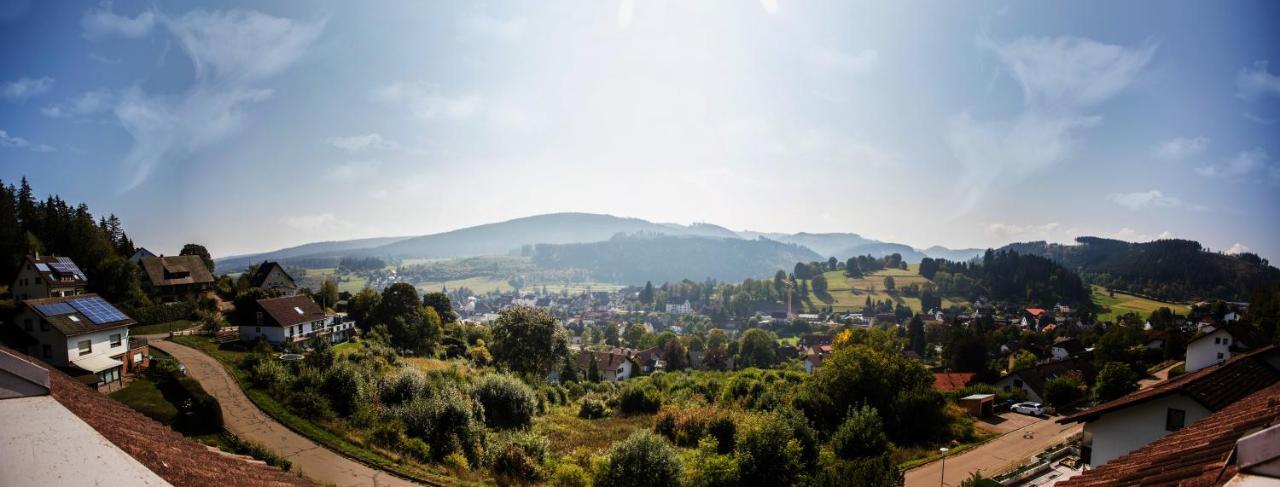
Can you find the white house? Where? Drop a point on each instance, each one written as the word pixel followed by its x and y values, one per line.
pixel 83 332
pixel 679 308
pixel 1217 344
pixel 47 276
pixel 1120 426
pixel 292 319
pixel 613 366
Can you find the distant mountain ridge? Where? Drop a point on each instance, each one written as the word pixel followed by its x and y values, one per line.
pixel 664 258
pixel 509 237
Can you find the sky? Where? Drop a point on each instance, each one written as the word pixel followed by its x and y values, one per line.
pixel 250 126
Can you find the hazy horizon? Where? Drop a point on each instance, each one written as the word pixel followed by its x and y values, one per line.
pixel 249 127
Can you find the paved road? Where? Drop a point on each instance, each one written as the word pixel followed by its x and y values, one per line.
pixel 244 419
pixel 998 455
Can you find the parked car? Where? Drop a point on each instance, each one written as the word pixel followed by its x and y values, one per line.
pixel 1031 408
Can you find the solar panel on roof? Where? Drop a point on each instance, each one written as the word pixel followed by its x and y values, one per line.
pixel 42 267
pixel 55 309
pixel 64 264
pixel 98 310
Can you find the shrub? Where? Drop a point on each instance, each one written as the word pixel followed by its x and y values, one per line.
pixel 517 458
pixel 163 313
pixel 1115 380
pixel 875 471
pixel 777 449
pixel 310 404
pixel 569 475
pixel 592 409
pixel 642 460
pixel 508 402
pixel 918 415
pixel 408 385
pixel 707 468
pixel 1063 390
pixel 861 435
pixel 256 450
pixel 417 449
pixel 447 420
pixel 269 374
pixel 344 386
pixel 387 434
pixel 686 427
pixel 639 399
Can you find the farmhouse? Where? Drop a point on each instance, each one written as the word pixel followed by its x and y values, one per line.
pixel 84 334
pixel 291 319
pixel 170 279
pixel 271 275
pixel 47 276
pixel 1117 427
pixel 1217 344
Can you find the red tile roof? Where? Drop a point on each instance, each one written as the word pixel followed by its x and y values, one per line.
pixel 175 458
pixel 952 381
pixel 1197 455
pixel 1214 387
pixel 1035 311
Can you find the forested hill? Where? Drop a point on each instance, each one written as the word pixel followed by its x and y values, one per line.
pixel 1010 277
pixel 658 258
pixel 1169 270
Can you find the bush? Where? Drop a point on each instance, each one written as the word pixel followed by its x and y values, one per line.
pixel 642 460
pixel 707 468
pixel 508 402
pixel 875 471
pixel 861 435
pixel 1063 390
pixel 310 404
pixel 405 387
pixel 344 386
pixel 686 427
pixel 1115 380
pixel 269 374
pixel 257 451
pixel 447 420
pixel 918 415
pixel 777 449
pixel 569 475
pixel 639 399
pixel 517 458
pixel 592 409
pixel 163 313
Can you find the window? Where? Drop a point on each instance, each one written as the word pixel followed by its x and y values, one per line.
pixel 85 347
pixel 259 316
pixel 115 340
pixel 1219 355
pixel 1226 341
pixel 46 350
pixel 1217 341
pixel 1175 419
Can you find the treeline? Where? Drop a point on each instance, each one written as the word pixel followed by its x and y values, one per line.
pixel 638 258
pixel 357 264
pixel 100 247
pixel 1170 270
pixel 1009 277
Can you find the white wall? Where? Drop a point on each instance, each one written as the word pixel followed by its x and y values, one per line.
pixel 1119 432
pixel 1204 352
pixel 251 333
pixel 100 344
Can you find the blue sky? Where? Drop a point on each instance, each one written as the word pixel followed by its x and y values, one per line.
pixel 249 126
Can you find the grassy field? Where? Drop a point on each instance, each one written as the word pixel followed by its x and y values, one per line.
pixel 1121 303
pixel 160 328
pixel 568 433
pixel 850 294
pixel 143 396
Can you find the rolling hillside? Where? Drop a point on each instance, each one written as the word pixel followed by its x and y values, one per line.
pixel 634 259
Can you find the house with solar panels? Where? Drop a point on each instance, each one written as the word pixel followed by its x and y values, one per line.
pixel 47 276
pixel 175 278
pixel 83 335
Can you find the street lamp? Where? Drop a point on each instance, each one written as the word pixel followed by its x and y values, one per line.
pixel 943 477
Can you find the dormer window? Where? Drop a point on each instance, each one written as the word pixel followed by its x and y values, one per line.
pixel 73 318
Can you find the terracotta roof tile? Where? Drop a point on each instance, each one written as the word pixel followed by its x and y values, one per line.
pixel 1197 455
pixel 952 381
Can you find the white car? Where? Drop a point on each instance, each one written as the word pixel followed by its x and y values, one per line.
pixel 1031 408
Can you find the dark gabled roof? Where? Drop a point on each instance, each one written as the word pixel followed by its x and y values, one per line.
pixel 260 274
pixel 1242 334
pixel 175 270
pixel 604 360
pixel 290 310
pixel 175 458
pixel 58 271
pixel 73 323
pixel 1071 345
pixel 1214 387
pixel 1036 375
pixel 1197 455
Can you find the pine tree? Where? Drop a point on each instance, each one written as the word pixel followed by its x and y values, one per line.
pixel 593 370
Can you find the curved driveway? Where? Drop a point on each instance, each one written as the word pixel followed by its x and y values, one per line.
pixel 243 418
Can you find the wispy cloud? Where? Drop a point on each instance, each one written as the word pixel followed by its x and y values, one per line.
pixel 845 62
pixel 103 59
pixel 1181 148
pixel 361 143
pixel 15 142
pixel 479 24
pixel 1256 81
pixel 102 23
pixel 24 88
pixel 1237 248
pixel 87 104
pixel 1250 164
pixel 427 102
pixel 1151 199
pixel 1130 235
pixel 1007 231
pixel 1258 119
pixel 770 6
pixel 1060 78
pixel 353 170
pixel 233 52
